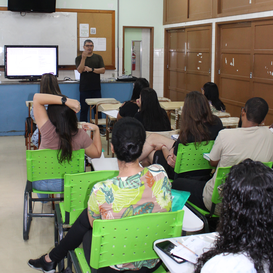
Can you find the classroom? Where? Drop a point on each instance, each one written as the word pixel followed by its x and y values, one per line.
pixel 185 44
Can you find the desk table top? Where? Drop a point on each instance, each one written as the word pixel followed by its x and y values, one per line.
pixel 94 101
pixel 171 105
pixel 230 121
pixel 29 103
pixel 185 267
pixel 109 106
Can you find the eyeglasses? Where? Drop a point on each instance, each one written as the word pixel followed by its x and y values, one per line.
pixel 89 45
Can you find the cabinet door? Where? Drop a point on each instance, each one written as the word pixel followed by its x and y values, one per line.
pixel 176 63
pixel 245 65
pixel 235 66
pixel 263 64
pixel 175 11
pixel 198 57
pixel 200 9
pixel 188 61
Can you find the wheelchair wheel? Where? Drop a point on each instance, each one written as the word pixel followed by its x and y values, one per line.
pixel 26 217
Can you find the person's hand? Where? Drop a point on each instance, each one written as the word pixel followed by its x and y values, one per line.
pixel 271 126
pixel 89 127
pixel 138 102
pixel 87 69
pixel 160 147
pixel 84 54
pixel 74 105
pixel 171 158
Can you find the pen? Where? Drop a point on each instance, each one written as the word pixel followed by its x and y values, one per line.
pixel 187 248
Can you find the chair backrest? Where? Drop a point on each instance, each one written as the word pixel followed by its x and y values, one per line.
pixel 131 239
pixel 190 157
pixel 220 179
pixel 77 188
pixel 43 164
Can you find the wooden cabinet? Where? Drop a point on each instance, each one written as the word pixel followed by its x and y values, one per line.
pixel 245 64
pixel 188 60
pixel 178 11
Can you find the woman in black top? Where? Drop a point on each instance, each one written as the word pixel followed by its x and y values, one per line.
pixel 130 108
pixel 151 115
pixel 211 92
pixel 197 125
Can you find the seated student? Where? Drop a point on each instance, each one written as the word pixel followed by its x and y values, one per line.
pixel 127 142
pixel 130 108
pixel 151 115
pixel 59 131
pixel 245 229
pixel 231 147
pixel 48 85
pixel 197 124
pixel 210 90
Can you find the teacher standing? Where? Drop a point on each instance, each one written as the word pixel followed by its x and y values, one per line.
pixel 90 66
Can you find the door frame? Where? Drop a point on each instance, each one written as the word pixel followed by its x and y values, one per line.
pixel 151 66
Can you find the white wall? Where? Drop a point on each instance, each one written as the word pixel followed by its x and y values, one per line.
pixel 132 13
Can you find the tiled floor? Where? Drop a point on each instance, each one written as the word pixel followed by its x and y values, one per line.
pixel 14 251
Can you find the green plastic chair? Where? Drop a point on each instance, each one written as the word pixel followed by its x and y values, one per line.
pixel 77 188
pixel 190 157
pixel 128 240
pixel 43 164
pixel 221 175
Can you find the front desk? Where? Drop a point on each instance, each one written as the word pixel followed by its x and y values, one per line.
pixel 13 96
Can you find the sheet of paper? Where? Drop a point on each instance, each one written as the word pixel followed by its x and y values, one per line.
pixel 206 156
pixel 99 44
pixel 84 30
pixel 197 245
pixel 111 113
pixel 175 136
pixel 93 30
pixel 77 75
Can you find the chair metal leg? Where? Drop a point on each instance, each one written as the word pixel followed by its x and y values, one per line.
pixel 75 261
pixel 58 230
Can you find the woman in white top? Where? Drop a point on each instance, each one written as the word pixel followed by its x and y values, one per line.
pixel 245 242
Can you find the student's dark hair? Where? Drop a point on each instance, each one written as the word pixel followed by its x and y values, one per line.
pixel 49 84
pixel 196 116
pixel 154 117
pixel 246 220
pixel 128 138
pixel 88 41
pixel 140 83
pixel 212 94
pixel 66 123
pixel 256 109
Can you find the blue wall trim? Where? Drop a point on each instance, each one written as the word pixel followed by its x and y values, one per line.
pixel 13 110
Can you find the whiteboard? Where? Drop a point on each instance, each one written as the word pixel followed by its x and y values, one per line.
pixel 58 28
